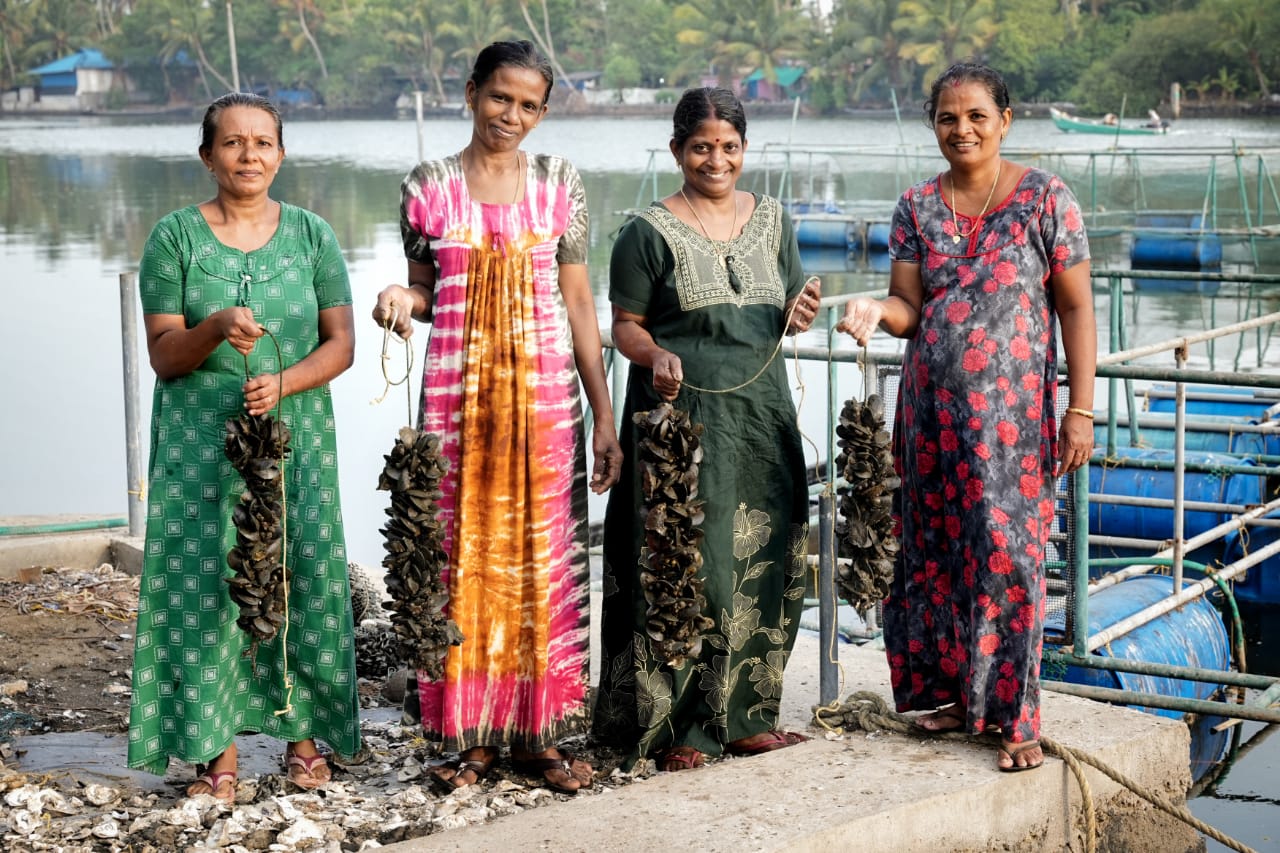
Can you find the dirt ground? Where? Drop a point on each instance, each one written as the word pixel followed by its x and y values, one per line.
pixel 66 651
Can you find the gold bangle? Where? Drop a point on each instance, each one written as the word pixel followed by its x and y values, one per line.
pixel 1084 413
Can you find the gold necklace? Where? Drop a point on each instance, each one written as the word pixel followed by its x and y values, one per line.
pixel 955 238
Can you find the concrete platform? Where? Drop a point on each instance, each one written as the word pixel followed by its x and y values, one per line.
pixel 873 791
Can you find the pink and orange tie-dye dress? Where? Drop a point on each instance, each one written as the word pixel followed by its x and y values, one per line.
pixel 501 389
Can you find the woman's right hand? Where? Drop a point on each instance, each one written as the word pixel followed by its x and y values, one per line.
pixel 238 328
pixel 862 317
pixel 668 374
pixel 395 305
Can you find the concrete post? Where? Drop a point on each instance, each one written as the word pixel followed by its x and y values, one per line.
pixel 132 429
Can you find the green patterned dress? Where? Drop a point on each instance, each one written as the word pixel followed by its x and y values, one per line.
pixel 196 684
pixel 752 479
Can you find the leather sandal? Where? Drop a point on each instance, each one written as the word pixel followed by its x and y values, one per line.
pixel 679 758
pixel 478 768
pixel 1012 751
pixel 215 780
pixel 764 742
pixel 566 764
pixel 951 718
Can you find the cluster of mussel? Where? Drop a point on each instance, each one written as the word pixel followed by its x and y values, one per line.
pixel 256 446
pixel 669 452
pixel 864 529
pixel 415 554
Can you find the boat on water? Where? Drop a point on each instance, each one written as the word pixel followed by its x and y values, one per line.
pixel 1107 125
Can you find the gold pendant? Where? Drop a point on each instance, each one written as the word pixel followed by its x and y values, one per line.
pixel 955 238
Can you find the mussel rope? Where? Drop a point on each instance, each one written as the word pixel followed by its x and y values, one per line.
pixel 284 532
pixel 388 324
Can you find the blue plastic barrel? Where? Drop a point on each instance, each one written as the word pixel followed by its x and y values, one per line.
pixel 1176 252
pixel 820 259
pixel 1208 400
pixel 1261 583
pixel 1157 433
pixel 1192 635
pixel 1149 522
pixel 833 232
pixel 877 236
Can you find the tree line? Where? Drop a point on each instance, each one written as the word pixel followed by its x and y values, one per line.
pixel 363 54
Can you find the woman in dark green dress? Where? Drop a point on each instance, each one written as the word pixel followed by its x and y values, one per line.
pixel 704 284
pixel 214 278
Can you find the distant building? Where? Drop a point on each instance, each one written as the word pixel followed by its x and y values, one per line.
pixel 76 83
pixel 789 84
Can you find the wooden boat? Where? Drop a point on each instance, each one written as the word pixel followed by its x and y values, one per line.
pixel 1071 124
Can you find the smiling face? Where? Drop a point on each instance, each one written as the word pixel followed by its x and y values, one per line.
pixel 506 107
pixel 711 158
pixel 245 153
pixel 967 123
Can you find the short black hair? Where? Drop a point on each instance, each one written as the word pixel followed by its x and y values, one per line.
pixel 967 72
pixel 209 126
pixel 511 54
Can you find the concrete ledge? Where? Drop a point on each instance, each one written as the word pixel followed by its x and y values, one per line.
pixel 876 791
pixel 71 549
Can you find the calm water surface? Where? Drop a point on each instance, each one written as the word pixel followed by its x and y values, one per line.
pixel 79 195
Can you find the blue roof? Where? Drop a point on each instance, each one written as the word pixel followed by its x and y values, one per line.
pixel 85 57
pixel 787 74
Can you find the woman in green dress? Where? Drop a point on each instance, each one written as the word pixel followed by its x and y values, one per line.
pixel 704 283
pixel 214 279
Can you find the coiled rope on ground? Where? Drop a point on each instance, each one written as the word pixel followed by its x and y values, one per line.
pixel 867 711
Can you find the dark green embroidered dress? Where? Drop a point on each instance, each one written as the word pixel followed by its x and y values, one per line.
pixel 194 685
pixel 752 479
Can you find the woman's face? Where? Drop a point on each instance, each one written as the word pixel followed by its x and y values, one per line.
pixel 246 152
pixel 968 124
pixel 506 107
pixel 711 158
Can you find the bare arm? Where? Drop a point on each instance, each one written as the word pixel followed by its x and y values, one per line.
pixel 176 350
pixel 1073 301
pixel 334 354
pixel 575 288
pixel 898 313
pixel 406 304
pixel 636 343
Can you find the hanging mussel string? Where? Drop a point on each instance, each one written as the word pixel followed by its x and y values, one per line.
pixel 415 554
pixel 256 446
pixel 669 452
pixel 865 527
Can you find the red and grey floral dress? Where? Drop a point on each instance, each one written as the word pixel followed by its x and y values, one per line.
pixel 975 439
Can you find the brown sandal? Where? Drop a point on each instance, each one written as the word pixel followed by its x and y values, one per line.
pixel 679 758
pixel 566 764
pixel 480 769
pixel 765 742
pixel 1012 751
pixel 951 718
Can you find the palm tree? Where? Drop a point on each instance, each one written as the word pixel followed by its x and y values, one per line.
pixel 305 35
pixel 15 27
pixel 1249 31
pixel 58 27
pixel 936 33
pixel 726 34
pixel 867 27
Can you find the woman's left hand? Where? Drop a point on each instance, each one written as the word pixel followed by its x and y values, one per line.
pixel 1075 442
pixel 262 393
pixel 806 305
pixel 608 459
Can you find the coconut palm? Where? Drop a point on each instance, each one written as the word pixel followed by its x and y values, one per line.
pixel 937 33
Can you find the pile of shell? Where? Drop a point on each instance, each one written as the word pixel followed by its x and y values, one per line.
pixel 864 529
pixel 415 556
pixel 377 650
pixel 366 600
pixel 256 446
pixel 669 453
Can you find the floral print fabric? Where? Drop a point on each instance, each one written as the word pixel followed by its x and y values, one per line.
pixel 975 442
pixel 751 479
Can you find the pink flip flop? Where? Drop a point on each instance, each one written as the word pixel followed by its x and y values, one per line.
pixel 214 780
pixel 302 770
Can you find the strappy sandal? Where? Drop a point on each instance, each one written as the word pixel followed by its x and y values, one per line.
pixel 448 784
pixel 308 772
pixel 566 764
pixel 679 758
pixel 1012 751
pixel 215 780
pixel 952 718
pixel 765 742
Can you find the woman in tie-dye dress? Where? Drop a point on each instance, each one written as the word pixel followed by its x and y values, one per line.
pixel 496 241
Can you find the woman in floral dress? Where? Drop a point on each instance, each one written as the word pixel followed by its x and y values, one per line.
pixel 703 283
pixel 496 241
pixel 989 258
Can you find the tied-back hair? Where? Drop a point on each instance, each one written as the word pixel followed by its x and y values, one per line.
pixel 511 54
pixel 699 105
pixel 967 72
pixel 209 127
